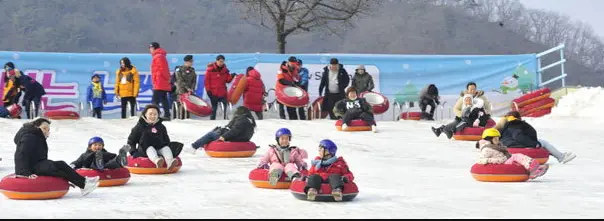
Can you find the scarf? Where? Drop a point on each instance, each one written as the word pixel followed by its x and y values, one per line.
pixel 319 163
pixel 97 90
pixel 284 153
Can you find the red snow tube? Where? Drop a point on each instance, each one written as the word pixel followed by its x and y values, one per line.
pixel 227 149
pixel 349 192
pixel 541 155
pixel 317 111
pixel 62 115
pixel 292 96
pixel 379 103
pixel 546 103
pixel 529 98
pixel 40 188
pixel 355 125
pixel 411 115
pixel 196 105
pixel 142 165
pixel 499 173
pixel 473 133
pixel 108 177
pixel 540 113
pixel 14 110
pixel 259 178
pixel 236 90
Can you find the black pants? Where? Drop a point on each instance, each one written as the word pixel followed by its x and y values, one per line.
pixel 328 103
pixel 59 169
pixel 314 181
pixel 259 115
pixel 291 111
pixel 125 101
pixel 456 125
pixel 425 103
pixel 27 106
pixel 97 112
pixel 162 96
pixel 367 117
pixel 109 161
pixel 214 101
pixel 301 113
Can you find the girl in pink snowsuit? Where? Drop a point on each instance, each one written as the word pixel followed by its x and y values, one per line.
pixel 493 152
pixel 283 158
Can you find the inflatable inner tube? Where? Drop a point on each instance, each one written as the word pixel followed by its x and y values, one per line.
pixel 259 178
pixel 473 133
pixel 355 125
pixel 499 173
pixel 349 192
pixel 14 110
pixel 379 103
pixel 107 177
pixel 237 88
pixel 541 155
pixel 196 105
pixel 292 96
pixel 40 188
pixel 540 113
pixel 529 98
pixel 142 165
pixel 546 103
pixel 317 109
pixel 230 149
pixel 62 115
pixel 411 115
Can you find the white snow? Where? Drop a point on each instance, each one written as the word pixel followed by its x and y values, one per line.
pixel 403 171
pixel 587 102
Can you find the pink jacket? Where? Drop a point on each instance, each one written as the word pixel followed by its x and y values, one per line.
pixel 296 156
pixel 491 153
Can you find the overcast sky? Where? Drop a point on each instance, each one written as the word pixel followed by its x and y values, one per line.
pixel 590 11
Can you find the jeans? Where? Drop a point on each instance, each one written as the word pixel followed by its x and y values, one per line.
pixel 161 96
pixel 205 139
pixel 27 105
pixel 551 149
pixel 125 101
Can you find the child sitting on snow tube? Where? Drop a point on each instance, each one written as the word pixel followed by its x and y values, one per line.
pixel 518 133
pixel 239 129
pixel 473 115
pixel 150 139
pixel 96 157
pixel 356 108
pixel 493 152
pixel 283 158
pixel 327 168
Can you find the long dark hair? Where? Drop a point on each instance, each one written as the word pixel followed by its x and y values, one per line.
pixel 127 63
pixel 433 90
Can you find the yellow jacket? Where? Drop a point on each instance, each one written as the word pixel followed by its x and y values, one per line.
pixel 478 94
pixel 127 83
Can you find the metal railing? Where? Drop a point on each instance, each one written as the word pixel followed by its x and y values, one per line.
pixel 560 62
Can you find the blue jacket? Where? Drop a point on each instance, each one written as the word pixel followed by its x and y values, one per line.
pixel 32 87
pixel 96 101
pixel 304 77
pixel 4 113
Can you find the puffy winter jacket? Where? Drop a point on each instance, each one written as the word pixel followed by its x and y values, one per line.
pixel 253 95
pixel 216 79
pixel 338 167
pixel 287 76
pixel 363 82
pixel 160 71
pixel 518 133
pixel 127 82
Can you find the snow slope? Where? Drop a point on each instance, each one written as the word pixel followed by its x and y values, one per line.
pixel 402 172
pixel 587 102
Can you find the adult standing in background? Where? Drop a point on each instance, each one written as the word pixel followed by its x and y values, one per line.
pixel 288 76
pixel 362 81
pixel 186 82
pixel 216 78
pixel 160 76
pixel 33 93
pixel 304 78
pixel 334 80
pixel 127 86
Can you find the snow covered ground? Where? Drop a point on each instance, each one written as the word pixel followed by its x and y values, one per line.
pixel 403 171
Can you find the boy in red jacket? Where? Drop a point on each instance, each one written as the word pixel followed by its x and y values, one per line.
pixel 216 78
pixel 329 168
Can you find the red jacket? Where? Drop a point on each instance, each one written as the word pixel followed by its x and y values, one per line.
pixel 160 71
pixel 339 167
pixel 286 75
pixel 253 95
pixel 216 79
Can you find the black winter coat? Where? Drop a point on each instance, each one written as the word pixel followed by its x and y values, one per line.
pixel 240 128
pixel 518 133
pixel 31 149
pixel 144 135
pixel 356 106
pixel 87 158
pixel 343 80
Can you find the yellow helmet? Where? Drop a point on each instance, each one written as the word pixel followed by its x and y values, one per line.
pixel 490 132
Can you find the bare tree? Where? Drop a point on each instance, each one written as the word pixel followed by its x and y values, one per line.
pixel 290 17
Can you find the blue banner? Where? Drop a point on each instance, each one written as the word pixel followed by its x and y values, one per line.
pixel 66 76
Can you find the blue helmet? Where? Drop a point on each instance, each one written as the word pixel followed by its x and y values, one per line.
pixel 329 145
pixel 96 140
pixel 281 132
